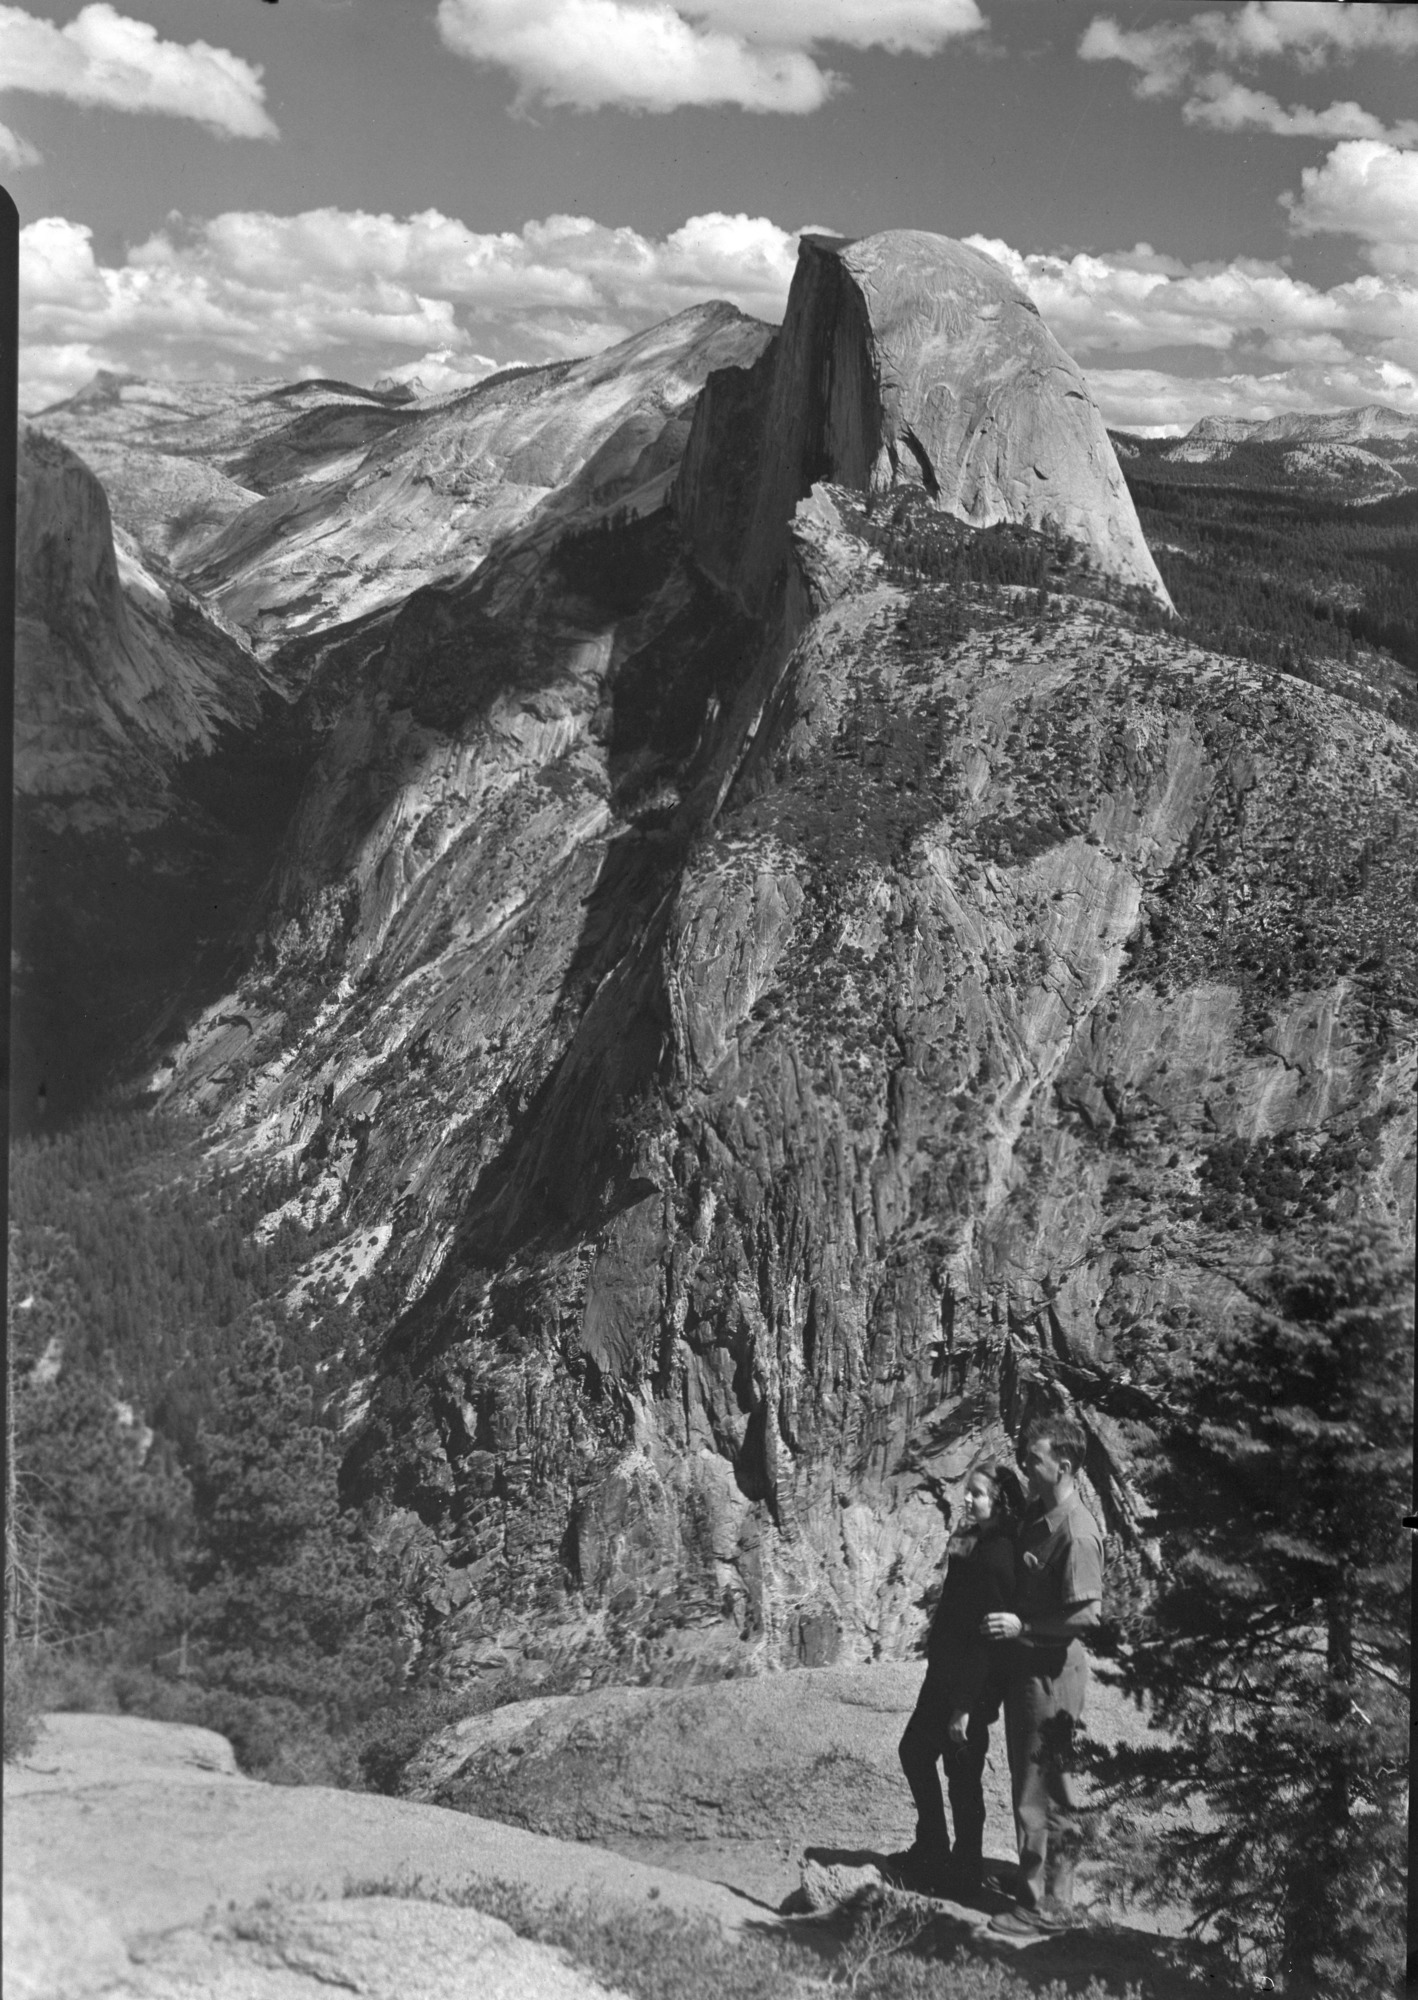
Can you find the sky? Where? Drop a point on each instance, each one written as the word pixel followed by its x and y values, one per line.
pixel 1214 208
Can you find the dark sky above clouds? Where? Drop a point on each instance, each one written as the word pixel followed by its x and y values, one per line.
pixel 1216 208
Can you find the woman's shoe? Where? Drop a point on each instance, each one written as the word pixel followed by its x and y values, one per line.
pixel 966 1878
pixel 923 1871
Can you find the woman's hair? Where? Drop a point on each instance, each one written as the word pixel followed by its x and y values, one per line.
pixel 1008 1488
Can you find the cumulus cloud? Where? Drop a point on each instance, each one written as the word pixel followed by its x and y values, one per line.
pixel 1248 338
pixel 353 294
pixel 650 55
pixel 343 292
pixel 1309 33
pixel 1178 58
pixel 104 58
pixel 16 153
pixel 1364 189
pixel 1228 106
pixel 1132 302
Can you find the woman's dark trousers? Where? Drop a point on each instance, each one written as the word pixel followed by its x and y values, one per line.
pixel 924 1746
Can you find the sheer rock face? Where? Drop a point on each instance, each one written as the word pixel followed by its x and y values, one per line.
pixel 129 694
pixel 120 674
pixel 905 358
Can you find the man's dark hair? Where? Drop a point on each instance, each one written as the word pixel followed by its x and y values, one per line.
pixel 1065 1436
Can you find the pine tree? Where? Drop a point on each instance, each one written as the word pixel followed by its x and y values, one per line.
pixel 95 1514
pixel 294 1601
pixel 1276 1652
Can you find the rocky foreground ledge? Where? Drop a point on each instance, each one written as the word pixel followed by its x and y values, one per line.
pixel 141 1865
pixel 139 1862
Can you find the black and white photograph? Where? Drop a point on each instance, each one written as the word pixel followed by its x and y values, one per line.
pixel 714 998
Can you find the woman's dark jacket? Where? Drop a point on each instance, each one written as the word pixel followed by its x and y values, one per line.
pixel 979 1579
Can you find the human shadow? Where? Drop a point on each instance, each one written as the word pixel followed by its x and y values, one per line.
pixel 1101 1957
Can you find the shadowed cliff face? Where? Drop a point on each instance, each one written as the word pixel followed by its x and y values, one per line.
pixel 121 674
pixel 152 773
pixel 763 1030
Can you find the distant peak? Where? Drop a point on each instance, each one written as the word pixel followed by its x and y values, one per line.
pixel 716 312
pixel 905 359
pixel 102 388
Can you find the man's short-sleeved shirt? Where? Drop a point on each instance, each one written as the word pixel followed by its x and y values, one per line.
pixel 1060 1561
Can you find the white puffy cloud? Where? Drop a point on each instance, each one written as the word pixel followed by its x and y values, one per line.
pixel 590 53
pixel 104 58
pixel 1225 105
pixel 16 153
pixel 1176 57
pixel 347 293
pixel 1309 33
pixel 1134 302
pixel 1364 189
pixel 651 55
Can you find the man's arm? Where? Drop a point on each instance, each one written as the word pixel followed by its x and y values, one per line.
pixel 1080 1588
pixel 1071 1623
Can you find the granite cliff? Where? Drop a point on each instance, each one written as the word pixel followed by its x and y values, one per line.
pixel 136 707
pixel 761 1009
pixel 904 359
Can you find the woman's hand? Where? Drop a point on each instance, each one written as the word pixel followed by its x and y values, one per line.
pixel 958 1724
pixel 1001 1625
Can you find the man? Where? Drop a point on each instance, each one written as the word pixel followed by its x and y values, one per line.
pixel 1060 1596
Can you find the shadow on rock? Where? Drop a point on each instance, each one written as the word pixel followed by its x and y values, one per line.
pixel 850 1907
pixel 832 1876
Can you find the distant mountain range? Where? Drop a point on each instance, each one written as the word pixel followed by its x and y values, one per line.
pixel 293 507
pixel 1359 455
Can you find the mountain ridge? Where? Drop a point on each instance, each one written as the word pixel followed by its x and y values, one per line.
pixel 347 506
pixel 1360 454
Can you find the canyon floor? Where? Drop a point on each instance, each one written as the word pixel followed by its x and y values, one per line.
pixel 139 1861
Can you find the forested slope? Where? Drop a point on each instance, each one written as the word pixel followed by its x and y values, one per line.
pixel 1306 583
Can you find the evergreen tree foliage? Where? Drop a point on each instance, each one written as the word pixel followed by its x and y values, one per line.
pixel 98 1506
pixel 1276 1651
pixel 1295 581
pixel 294 1600
pixel 168 1258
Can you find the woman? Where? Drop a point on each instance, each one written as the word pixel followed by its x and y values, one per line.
pixel 961 1694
